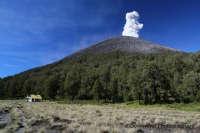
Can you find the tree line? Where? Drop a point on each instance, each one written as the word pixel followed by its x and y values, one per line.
pixel 112 77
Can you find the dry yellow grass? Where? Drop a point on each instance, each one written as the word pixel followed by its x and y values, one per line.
pixel 54 117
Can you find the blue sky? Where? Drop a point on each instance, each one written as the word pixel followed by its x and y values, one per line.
pixel 38 32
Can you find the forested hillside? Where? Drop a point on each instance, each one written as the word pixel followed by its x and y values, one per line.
pixel 112 77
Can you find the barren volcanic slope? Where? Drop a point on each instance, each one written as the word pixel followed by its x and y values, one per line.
pixel 126 44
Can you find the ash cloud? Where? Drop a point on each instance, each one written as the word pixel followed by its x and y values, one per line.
pixel 132 25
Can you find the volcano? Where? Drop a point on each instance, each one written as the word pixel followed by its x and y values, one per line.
pixel 126 44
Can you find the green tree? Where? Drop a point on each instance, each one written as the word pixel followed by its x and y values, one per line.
pixel 134 82
pixel 72 84
pixel 52 87
pixel 190 88
pixel 97 90
pixel 156 86
pixel 1 89
pixel 105 81
pixel 114 91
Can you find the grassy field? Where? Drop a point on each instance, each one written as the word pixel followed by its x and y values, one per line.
pixel 174 106
pixel 83 117
pixel 135 105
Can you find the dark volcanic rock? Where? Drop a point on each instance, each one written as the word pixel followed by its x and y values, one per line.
pixel 126 44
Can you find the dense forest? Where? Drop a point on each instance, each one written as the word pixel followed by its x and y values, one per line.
pixel 112 77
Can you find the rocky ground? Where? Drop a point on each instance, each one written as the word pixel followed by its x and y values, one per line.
pixel 51 117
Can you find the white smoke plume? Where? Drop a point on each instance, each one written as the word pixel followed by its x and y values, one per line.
pixel 132 26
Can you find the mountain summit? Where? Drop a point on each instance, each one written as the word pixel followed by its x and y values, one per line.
pixel 126 44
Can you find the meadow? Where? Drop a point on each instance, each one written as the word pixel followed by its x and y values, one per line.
pixel 89 117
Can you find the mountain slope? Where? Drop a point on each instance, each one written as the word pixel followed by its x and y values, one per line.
pixel 104 71
pixel 123 44
pixel 126 44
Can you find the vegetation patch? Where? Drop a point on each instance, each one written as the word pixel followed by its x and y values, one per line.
pixel 119 118
pixel 114 77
